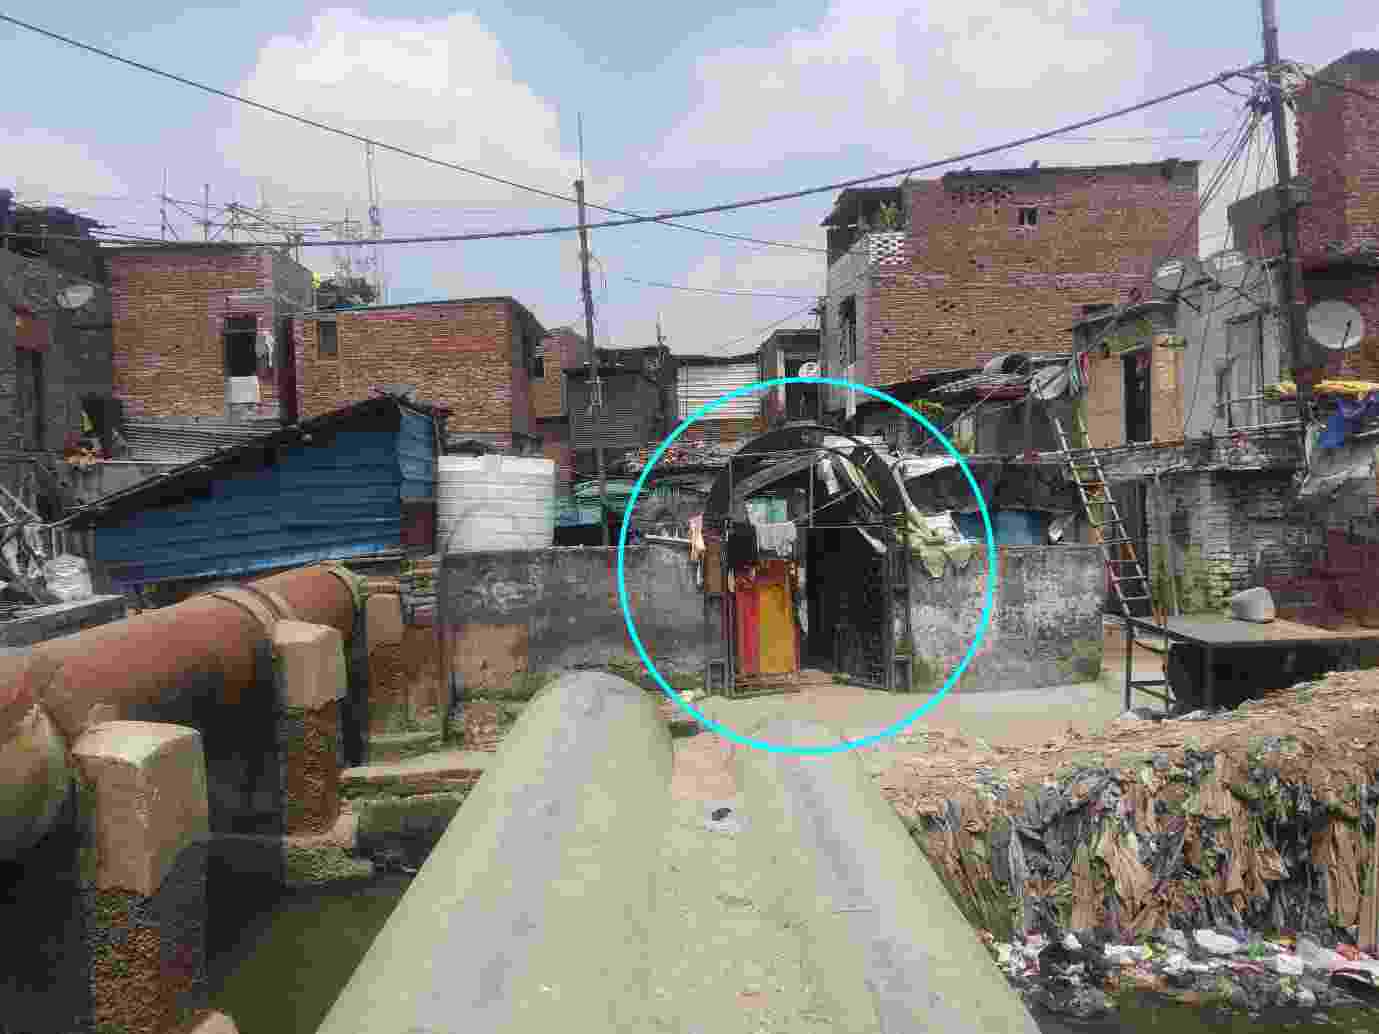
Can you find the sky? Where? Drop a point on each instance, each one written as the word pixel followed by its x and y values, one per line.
pixel 681 106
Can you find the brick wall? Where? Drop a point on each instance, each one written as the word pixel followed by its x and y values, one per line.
pixel 563 348
pixel 1338 149
pixel 170 310
pixel 458 354
pixel 975 283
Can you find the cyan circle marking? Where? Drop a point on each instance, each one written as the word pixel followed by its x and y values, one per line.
pixel 890 730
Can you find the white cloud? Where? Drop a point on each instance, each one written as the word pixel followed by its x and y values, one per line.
pixel 442 87
pixel 906 83
pixel 36 159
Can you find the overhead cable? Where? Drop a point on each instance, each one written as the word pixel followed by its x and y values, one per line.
pixel 407 152
pixel 660 217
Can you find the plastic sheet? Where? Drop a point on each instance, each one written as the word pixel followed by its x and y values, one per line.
pixel 67 578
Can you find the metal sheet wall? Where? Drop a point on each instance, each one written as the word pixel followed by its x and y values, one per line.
pixel 318 503
pixel 631 412
pixel 696 386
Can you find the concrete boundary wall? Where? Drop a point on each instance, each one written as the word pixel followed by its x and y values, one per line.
pixel 887 947
pixel 531 912
pixel 1046 622
pixel 557 609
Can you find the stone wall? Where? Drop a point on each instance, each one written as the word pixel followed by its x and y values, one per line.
pixel 539 611
pixel 1046 621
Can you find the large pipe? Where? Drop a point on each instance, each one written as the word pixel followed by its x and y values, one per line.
pixel 886 947
pixel 59 687
pixel 531 911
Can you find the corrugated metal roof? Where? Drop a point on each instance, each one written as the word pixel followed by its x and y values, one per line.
pixel 247 457
pixel 697 386
pixel 335 500
pixel 152 439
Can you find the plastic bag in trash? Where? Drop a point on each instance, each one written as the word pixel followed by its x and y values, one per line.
pixel 67 578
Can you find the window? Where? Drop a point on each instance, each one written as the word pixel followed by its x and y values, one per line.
pixel 536 358
pixel 1029 216
pixel 241 346
pixel 847 320
pixel 327 339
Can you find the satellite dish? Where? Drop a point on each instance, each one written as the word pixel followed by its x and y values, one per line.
pixel 809 369
pixel 1335 325
pixel 1229 268
pixel 1177 274
pixel 76 296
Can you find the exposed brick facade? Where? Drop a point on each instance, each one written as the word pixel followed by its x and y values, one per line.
pixel 562 348
pixel 170 312
pixel 1338 149
pixel 469 355
pixel 973 282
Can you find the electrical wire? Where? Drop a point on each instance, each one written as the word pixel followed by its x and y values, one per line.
pixel 660 217
pixel 406 152
pixel 715 290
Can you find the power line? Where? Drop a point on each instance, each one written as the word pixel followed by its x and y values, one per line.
pixel 630 219
pixel 716 290
pixel 367 141
pixel 776 198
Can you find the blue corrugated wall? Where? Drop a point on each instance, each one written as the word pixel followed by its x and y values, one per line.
pixel 319 503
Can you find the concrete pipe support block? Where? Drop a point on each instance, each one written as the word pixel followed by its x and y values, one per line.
pixel 383 618
pixel 145 896
pixel 312 680
pixel 147 783
pixel 34 776
pixel 530 913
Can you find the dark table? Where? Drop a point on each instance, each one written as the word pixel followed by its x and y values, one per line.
pixel 1213 633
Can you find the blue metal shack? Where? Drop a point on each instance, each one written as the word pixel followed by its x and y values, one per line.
pixel 345 484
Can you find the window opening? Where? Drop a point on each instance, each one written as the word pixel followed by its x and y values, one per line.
pixel 241 346
pixel 847 317
pixel 1029 216
pixel 327 337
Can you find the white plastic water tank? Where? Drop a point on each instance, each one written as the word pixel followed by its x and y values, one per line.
pixel 494 502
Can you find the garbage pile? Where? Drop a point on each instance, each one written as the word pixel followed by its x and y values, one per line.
pixel 1254 821
pixel 1077 977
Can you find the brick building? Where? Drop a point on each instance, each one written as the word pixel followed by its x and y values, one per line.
pixel 947 273
pixel 54 345
pixel 562 349
pixel 205 332
pixel 1338 228
pixel 479 357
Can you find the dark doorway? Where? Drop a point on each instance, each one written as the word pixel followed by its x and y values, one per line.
pixel 30 398
pixel 287 375
pixel 1137 381
pixel 845 593
pixel 241 346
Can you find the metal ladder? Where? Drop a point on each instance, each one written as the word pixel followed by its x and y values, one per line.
pixel 1111 532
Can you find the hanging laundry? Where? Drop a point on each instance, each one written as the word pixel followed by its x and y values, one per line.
pixel 696 536
pixel 777 538
pixel 742 546
pixel 827 476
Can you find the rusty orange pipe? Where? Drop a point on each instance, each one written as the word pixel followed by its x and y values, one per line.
pixel 109 672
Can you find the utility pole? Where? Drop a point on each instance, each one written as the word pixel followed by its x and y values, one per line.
pixel 595 383
pixel 1305 370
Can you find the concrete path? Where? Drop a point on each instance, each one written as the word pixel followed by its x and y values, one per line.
pixel 722 963
pixel 740 943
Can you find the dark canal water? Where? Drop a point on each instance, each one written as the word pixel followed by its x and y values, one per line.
pixel 279 961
